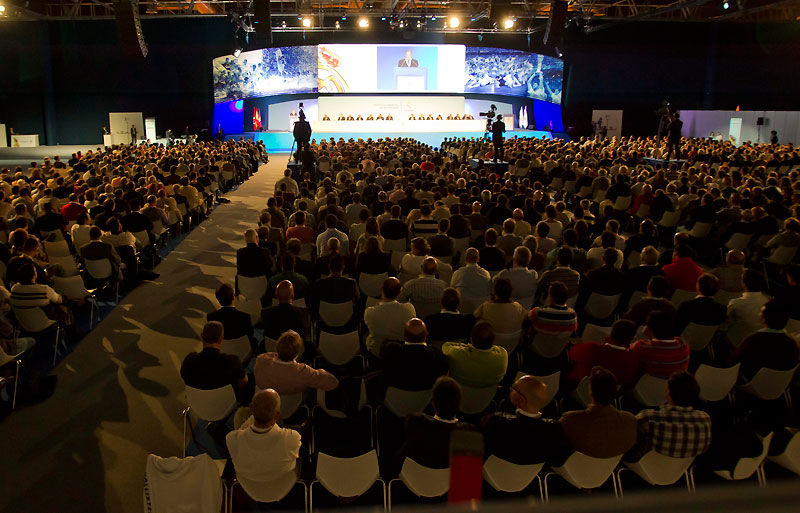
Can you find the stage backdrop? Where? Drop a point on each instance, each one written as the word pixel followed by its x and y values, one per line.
pixel 611 119
pixel 397 106
pixel 700 123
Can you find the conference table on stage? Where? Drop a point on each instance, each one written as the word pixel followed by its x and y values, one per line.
pixel 401 125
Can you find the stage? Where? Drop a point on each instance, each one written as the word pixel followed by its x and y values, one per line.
pixel 281 141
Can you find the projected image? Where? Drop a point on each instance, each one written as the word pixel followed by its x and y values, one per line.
pixel 514 73
pixel 407 68
pixel 290 69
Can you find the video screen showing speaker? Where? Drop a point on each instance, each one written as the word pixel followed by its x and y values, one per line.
pixel 513 73
pixel 288 69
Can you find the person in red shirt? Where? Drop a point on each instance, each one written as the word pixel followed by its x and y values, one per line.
pixel 72 210
pixel 300 231
pixel 683 272
pixel 612 353
pixel 427 165
pixel 662 353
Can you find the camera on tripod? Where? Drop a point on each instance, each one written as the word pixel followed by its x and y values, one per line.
pixel 489 115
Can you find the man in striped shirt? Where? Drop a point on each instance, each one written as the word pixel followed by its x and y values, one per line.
pixel 28 294
pixel 426 226
pixel 662 353
pixel 556 318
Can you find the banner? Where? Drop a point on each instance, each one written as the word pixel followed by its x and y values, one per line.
pixel 150 129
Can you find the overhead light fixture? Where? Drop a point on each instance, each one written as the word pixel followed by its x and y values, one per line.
pixel 306 22
pixel 508 23
pixel 344 18
pixel 2 9
pixel 726 5
pixel 337 24
pixel 433 18
pixel 236 53
pixel 454 22
pixel 383 18
pixel 363 22
pixel 402 24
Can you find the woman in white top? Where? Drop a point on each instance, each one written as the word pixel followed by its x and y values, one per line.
pixel 412 262
pixel 116 236
pixel 80 230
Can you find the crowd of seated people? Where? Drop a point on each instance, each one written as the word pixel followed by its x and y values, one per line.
pixel 581 267
pixel 97 221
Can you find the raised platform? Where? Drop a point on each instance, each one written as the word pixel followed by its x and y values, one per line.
pixel 282 140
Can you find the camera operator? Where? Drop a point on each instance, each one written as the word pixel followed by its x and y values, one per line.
pixel 498 129
pixel 302 134
pixel 492 112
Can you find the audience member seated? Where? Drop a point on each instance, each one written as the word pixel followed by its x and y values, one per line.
pixel 210 368
pixel 472 281
pixel 523 280
pixel 424 292
pixel 285 316
pixel 479 363
pixel 302 287
pixel 555 318
pixel 491 257
pixel 683 272
pixel 335 288
pixel 236 323
pixel 386 321
pixel 606 280
pixel 412 364
pixel 731 275
pixel 563 273
pixel 770 347
pixel 282 372
pixel 661 353
pixel 449 324
pixel 744 313
pixel 656 300
pixel 611 353
pixel 637 278
pixel 96 249
pixel 252 260
pixel 703 309
pixel 505 315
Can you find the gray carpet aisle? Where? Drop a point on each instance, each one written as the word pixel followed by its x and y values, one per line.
pixel 119 394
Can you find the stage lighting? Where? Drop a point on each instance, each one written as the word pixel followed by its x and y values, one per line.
pixel 306 22
pixel 363 22
pixel 419 24
pixel 726 5
pixel 237 52
pixel 401 25
pixel 337 24
pixel 2 9
pixel 433 18
pixel 383 18
pixel 508 23
pixel 454 22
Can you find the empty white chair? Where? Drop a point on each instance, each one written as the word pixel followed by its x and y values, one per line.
pixel 769 384
pixel 347 477
pixel 158 229
pixel 475 400
pixel 601 306
pixel 790 457
pixel 659 470
pixel 700 230
pixel 422 481
pixel 370 284
pixel 505 476
pixel 650 390
pixel 716 383
pixel 681 296
pixel 252 287
pixel 209 405
pixel 698 336
pixel 746 467
pixel 239 347
pixel 739 241
pixel 669 219
pixel 622 203
pixel 192 484
pixel 72 287
pixel 585 472
pixel 268 491
pixel 335 314
pixel 402 402
pixel 595 333
pixel 508 341
pixel 339 349
pixel 548 345
pixel 33 320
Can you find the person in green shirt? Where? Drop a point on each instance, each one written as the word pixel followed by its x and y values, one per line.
pixel 480 363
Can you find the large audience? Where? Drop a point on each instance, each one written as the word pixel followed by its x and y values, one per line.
pixel 574 300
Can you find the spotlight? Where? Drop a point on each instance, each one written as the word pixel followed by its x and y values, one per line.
pixel 454 22
pixel 726 5
pixel 472 19
pixel 508 23
pixel 419 24
pixel 344 18
pixel 433 18
pixel 236 53
pixel 383 18
pixel 337 24
pixel 558 53
pixel 2 9
pixel 283 24
pixel 363 22
pixel 402 24
pixel 306 22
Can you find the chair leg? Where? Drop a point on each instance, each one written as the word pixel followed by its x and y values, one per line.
pixel 614 482
pixel 305 496
pixel 55 346
pixel 541 493
pixel 16 386
pixel 546 490
pixel 310 506
pixel 383 485
pixel 787 396
pixel 185 421
pixel 618 482
pixel 91 314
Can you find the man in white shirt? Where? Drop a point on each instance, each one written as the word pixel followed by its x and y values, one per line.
pixel 262 451
pixel 386 320
pixel 425 292
pixel 744 313
pixel 523 280
pixel 472 281
pixel 330 233
pixel 291 184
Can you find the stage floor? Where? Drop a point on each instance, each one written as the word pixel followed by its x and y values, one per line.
pixel 283 140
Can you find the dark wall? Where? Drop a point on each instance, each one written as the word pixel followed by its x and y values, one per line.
pixel 61 78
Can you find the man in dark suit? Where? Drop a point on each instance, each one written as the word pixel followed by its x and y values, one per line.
pixel 703 309
pixel 412 365
pixel 285 316
pixel 606 280
pixel 427 438
pixel 335 288
pixel 408 62
pixel 237 324
pixel 525 437
pixel 96 249
pixel 252 260
pixel 210 368
pixel 769 347
pixel 498 137
pixel 449 324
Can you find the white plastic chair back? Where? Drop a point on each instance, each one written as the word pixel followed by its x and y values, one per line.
pixel 505 476
pixel 622 203
pixel 769 384
pixel 424 309
pixel 445 272
pixel 469 304
pixel 600 306
pixel 548 345
pixel 475 400
pixel 669 219
pixel 643 210
pixel 790 457
pixel 239 347
pixel 142 238
pixel 581 392
pixel 582 471
pixel 634 259
pixel 746 467
pixel 335 314
pixel 339 349
pixel 724 297
pixel 716 383
pixel 650 390
pixel 425 481
pixel 252 307
pixel 793 327
pixel 461 244
pixel 348 477
pixel 402 402
pixel 782 255
pixel 681 296
pixel 99 269
pixel 700 230
pixel 270 345
pixel 32 319
pixel 158 228
pixel 80 237
pixel 370 284
pixel 58 248
pixel 552 382
pixel 508 341
pixel 211 405
pixel 526 302
pixel 67 264
pixel 268 491
pixel 372 301
pixel 739 241
pixel 595 333
pixel 698 336
pixel 394 245
pixel 290 403
pixel 71 287
pixel 252 287
pixel 660 470
pixel 306 252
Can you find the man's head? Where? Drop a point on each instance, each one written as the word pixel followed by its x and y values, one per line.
pixel 602 386
pixel 522 257
pixel 753 280
pixel 660 325
pixel 649 256
pixel 558 293
pixel 482 336
pixel 225 295
pixel 774 315
pixel 446 398
pixel 415 331
pixel 391 288
pixel 610 256
pixel 471 256
pixel 336 264
pixel 408 55
pixel 682 389
pixel 251 236
pixel 27 273
pixel 212 334
pixel 289 345
pixel 284 292
pixel 450 299
pixel 429 266
pixel 707 285
pixel 528 394
pixel 658 286
pixel 265 408
pixel 622 333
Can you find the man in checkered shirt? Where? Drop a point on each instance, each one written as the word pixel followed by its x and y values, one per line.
pixel 676 429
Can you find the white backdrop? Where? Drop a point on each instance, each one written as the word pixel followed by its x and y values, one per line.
pixel 397 106
pixel 700 123
pixel 3 140
pixel 119 124
pixel 612 119
pixel 279 113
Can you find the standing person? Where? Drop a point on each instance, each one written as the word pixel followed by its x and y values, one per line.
pixel 498 129
pixel 133 134
pixel 674 136
pixel 773 137
pixel 663 119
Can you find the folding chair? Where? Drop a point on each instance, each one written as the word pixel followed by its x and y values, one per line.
pixel 209 405
pixel 659 470
pixel 422 481
pixel 505 476
pixel 585 472
pixel 347 477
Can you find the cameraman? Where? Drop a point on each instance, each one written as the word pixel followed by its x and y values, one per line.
pixel 498 129
pixel 302 134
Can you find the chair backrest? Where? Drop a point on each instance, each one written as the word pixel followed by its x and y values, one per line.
pixel 335 314
pixel 746 467
pixel 700 230
pixel 348 477
pixel 290 404
pixel 239 347
pixel 71 287
pixel 658 469
pixel 552 382
pixel 681 296
pixel 402 402
pixel 601 306
pixel 57 248
pixel 370 284
pixel 581 392
pixel 268 491
pixel 398 245
pixel 424 481
pixel 158 228
pixel 585 472
pixel 80 238
pixel 595 333
pixel 698 336
pixel 715 383
pixel 650 390
pixel 669 219
pixel 509 477
pixel 99 269
pixel 426 308
pixel 622 203
pixel 252 287
pixel 782 255
pixel 526 302
pixel 790 457
pixel 339 349
pixel 548 345
pixel 142 238
pixel 769 384
pixel 475 400
pixel 211 405
pixel 739 240
pixel 32 319
pixel 508 341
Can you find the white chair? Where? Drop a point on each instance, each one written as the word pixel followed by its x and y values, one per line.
pixel 581 392
pixel 585 472
pixel 6 358
pixel 669 219
pixel 739 241
pixel 505 476
pixel 549 345
pixel 769 384
pixel 790 457
pixel 601 306
pixel 659 470
pixel 526 302
pixel 80 237
pixel 239 347
pixel 551 381
pixel 698 336
pixel 209 405
pixel 746 467
pixel 650 391
pixel 187 474
pixel 595 333
pixel 476 400
pixel 252 287
pixel 370 284
pixel 700 230
pixel 34 321
pixel 426 308
pixel 622 203
pixel 716 383
pixel 422 481
pixel 444 272
pixel 57 248
pixel 681 296
pixel 402 402
pixel 335 314
pixel 347 477
pixel 72 287
pixel 339 349
pixel 508 341
pixel 268 491
pixel 142 239
pixel 158 230
pixel 102 270
pixel 290 403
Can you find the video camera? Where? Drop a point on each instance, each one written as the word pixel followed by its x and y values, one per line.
pixel 489 115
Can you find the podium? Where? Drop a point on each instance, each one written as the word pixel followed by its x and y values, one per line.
pixel 24 140
pixel 411 79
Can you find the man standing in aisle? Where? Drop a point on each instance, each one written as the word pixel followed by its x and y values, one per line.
pixel 498 129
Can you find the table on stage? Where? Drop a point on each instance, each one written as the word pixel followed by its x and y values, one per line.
pixel 400 125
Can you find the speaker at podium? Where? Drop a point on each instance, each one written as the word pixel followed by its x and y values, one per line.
pixel 411 79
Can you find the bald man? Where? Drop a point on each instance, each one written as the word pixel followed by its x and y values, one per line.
pixel 260 449
pixel 524 438
pixel 412 365
pixel 285 316
pixel 253 261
